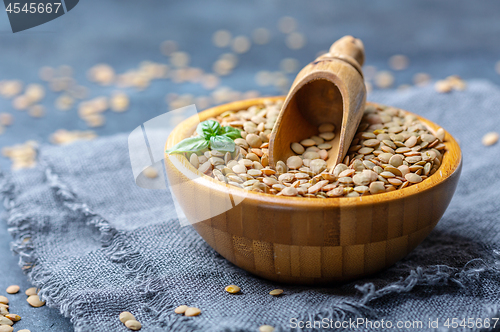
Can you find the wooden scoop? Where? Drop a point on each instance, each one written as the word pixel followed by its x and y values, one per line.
pixel 330 89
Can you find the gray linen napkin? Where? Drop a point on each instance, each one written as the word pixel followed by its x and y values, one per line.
pixel 97 244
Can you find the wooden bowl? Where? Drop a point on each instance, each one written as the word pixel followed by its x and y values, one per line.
pixel 309 240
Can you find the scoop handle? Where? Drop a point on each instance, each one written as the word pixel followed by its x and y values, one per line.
pixel 348 49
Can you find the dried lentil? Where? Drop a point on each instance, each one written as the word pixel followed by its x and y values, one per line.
pixel 490 138
pixel 133 325
pixel 13 289
pixel 232 289
pixel 35 301
pixel 150 172
pixel 31 291
pixel 276 292
pixel 125 316
pixel 389 145
pixel 192 311
pixel 13 317
pixel 181 309
pixel 5 321
pixel 4 309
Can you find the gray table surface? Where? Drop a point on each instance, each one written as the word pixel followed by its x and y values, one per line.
pixel 440 38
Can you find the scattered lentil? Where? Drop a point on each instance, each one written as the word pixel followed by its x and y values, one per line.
pixel 221 38
pixel 192 311
pixel 9 89
pixel 101 74
pixel 34 93
pixel 13 289
pixel 5 321
pixel 150 172
pixel 62 136
pixel 6 119
pixel 232 289
pixel 4 309
pixel 421 79
pixel 276 292
pixel 295 40
pixel 240 44
pixel 133 325
pixel 36 111
pixel 35 301
pixel 490 138
pixel 181 309
pixel 13 317
pixel 125 316
pixel 6 328
pixel 31 291
pixel 398 62
pixel 384 79
pixel 119 102
pixel 266 328
pixel 443 86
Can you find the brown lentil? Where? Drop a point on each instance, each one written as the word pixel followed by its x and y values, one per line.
pixel 150 172
pixel 34 301
pixel 391 150
pixel 13 289
pixel 4 309
pixel 31 291
pixel 232 289
pixel 5 321
pixel 125 316
pixel 276 292
pixel 13 317
pixel 192 311
pixel 181 309
pixel 490 138
pixel 133 325
pixel 266 328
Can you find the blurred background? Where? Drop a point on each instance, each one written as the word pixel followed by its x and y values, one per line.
pixel 107 66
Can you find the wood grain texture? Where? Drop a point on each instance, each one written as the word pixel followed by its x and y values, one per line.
pixel 330 89
pixel 310 240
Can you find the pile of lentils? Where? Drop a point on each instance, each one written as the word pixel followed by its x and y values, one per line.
pixel 6 318
pixel 391 150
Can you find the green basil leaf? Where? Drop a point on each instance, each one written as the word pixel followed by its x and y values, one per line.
pixel 231 132
pixel 209 128
pixel 190 144
pixel 222 143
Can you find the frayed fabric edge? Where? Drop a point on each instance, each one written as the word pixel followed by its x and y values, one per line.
pixel 19 225
pixel 115 243
pixel 435 275
pixel 120 251
pixel 117 248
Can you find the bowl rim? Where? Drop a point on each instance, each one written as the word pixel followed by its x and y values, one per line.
pixel 449 164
